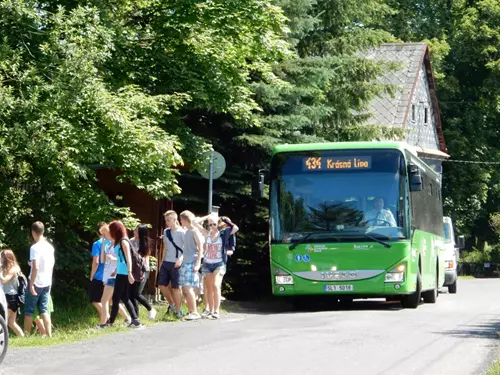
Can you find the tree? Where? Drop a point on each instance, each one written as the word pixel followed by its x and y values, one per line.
pixel 318 93
pixel 464 44
pixel 86 85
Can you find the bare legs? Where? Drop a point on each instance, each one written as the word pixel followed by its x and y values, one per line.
pixel 12 316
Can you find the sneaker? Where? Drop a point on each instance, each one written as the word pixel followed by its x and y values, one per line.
pixel 102 326
pixel 128 321
pixel 192 316
pixel 152 314
pixel 171 309
pixel 180 314
pixel 205 314
pixel 136 324
pixel 214 316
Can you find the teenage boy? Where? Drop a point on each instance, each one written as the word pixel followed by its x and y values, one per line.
pixel 168 279
pixel 40 280
pixel 97 270
pixel 191 264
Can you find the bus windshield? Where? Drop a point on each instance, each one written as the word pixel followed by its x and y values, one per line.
pixel 341 195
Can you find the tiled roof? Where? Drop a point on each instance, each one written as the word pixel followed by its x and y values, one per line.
pixel 391 110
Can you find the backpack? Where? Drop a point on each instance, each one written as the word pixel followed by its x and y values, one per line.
pixel 21 289
pixel 138 263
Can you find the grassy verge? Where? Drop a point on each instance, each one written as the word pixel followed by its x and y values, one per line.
pixel 494 368
pixel 465 277
pixel 71 325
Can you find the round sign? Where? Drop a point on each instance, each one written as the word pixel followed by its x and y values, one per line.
pixel 218 165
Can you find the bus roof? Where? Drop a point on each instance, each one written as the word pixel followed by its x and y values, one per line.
pixel 343 146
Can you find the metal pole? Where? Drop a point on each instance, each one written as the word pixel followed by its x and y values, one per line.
pixel 210 182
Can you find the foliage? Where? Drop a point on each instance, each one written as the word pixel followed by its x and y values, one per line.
pixel 86 86
pixel 144 87
pixel 318 93
pixel 323 90
pixel 495 222
pixel 465 44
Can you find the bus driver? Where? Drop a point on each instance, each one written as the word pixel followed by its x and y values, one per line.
pixel 379 216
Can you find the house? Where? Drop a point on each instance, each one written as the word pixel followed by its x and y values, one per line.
pixel 147 209
pixel 413 107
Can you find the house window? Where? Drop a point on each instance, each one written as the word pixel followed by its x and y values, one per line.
pixel 426 115
pixel 413 113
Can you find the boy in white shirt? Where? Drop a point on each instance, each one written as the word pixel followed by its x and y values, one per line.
pixel 40 280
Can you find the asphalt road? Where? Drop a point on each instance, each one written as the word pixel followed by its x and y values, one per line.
pixel 455 336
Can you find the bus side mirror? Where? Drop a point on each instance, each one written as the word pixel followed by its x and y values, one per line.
pixel 416 183
pixel 258 186
pixel 460 242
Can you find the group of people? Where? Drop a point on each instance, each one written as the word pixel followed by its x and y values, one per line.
pixel 34 291
pixel 196 253
pixel 120 267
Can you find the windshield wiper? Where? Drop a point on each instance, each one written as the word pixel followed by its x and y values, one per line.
pixel 379 240
pixel 303 239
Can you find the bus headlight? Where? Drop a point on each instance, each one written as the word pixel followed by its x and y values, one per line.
pixel 284 280
pixel 396 275
pixel 282 277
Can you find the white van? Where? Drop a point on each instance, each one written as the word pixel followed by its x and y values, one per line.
pixel 451 255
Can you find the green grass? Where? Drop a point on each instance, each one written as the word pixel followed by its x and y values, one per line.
pixel 494 368
pixel 71 325
pixel 466 277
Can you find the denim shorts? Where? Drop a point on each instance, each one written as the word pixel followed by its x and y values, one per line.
pixel 110 282
pixel 41 300
pixel 220 267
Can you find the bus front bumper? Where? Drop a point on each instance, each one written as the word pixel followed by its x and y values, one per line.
pixel 372 287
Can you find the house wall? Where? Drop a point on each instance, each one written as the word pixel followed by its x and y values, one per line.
pixel 419 132
pixel 147 209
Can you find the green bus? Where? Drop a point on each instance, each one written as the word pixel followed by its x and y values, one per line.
pixel 355 220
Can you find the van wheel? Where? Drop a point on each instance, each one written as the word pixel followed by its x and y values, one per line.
pixel 452 288
pixel 430 296
pixel 413 300
pixel 4 338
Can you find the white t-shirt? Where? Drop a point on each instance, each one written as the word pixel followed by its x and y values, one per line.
pixel 213 250
pixel 382 217
pixel 109 265
pixel 43 253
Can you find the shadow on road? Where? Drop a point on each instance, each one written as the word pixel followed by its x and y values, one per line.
pixel 488 328
pixel 279 306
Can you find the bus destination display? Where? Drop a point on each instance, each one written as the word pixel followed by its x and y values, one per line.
pixel 322 163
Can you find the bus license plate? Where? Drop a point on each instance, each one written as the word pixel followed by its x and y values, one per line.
pixel 338 288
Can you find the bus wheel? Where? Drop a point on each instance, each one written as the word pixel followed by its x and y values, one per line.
pixel 430 296
pixel 452 288
pixel 413 300
pixel 346 301
pixel 300 303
